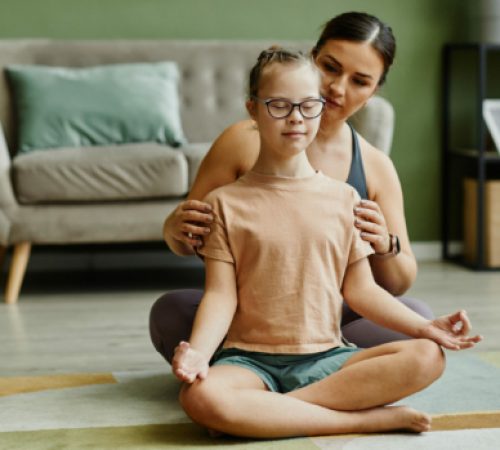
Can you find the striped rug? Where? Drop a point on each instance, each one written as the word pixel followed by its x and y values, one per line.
pixel 139 410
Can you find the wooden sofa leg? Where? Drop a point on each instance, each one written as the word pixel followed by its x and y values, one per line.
pixel 20 257
pixel 3 252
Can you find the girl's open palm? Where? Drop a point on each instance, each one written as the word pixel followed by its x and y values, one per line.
pixel 189 364
pixel 452 331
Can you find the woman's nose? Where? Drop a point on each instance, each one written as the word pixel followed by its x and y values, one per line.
pixel 338 85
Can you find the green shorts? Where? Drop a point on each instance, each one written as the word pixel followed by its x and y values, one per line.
pixel 285 373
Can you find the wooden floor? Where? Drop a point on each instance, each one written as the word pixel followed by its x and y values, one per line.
pixel 98 322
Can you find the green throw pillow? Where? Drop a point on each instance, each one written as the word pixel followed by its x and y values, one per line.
pixel 102 105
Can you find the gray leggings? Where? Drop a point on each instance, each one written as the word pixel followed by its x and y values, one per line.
pixel 172 316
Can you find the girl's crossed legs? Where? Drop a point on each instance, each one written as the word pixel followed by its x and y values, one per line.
pixel 235 400
pixel 172 315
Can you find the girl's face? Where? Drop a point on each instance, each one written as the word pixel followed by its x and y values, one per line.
pixel 350 75
pixel 294 83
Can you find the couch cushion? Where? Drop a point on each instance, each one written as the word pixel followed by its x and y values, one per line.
pixel 194 154
pixel 87 174
pixel 102 105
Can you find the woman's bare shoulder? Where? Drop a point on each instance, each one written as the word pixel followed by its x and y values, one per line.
pixel 238 143
pixel 233 153
pixel 379 169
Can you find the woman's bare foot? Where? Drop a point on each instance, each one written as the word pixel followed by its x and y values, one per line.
pixel 392 418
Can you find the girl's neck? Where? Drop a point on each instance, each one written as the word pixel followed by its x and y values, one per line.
pixel 296 166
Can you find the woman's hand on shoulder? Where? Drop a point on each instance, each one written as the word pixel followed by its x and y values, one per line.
pixel 234 152
pixel 190 221
pixel 371 222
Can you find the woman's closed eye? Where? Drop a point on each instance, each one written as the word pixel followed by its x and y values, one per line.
pixel 330 68
pixel 360 82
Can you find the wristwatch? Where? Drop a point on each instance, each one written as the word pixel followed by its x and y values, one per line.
pixel 394 247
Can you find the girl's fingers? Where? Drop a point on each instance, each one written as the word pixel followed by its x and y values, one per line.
pixel 466 325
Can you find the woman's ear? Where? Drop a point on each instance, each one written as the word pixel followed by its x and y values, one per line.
pixel 250 104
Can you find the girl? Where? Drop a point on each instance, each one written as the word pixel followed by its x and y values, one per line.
pixel 281 256
pixel 354 54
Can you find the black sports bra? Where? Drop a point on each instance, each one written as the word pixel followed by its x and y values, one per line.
pixel 356 176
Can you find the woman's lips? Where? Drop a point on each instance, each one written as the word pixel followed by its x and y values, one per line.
pixel 333 103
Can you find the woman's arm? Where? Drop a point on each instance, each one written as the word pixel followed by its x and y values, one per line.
pixel 368 299
pixel 233 153
pixel 212 321
pixel 382 215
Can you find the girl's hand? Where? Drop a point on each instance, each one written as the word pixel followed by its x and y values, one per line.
pixel 371 222
pixel 189 364
pixel 451 331
pixel 189 222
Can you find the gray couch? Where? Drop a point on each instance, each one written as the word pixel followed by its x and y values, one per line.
pixel 123 193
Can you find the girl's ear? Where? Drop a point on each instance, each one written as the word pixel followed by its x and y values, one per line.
pixel 251 108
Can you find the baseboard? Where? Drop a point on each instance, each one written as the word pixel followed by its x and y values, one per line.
pixel 46 260
pixel 431 250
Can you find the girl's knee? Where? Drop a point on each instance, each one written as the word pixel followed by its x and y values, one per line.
pixel 429 359
pixel 203 403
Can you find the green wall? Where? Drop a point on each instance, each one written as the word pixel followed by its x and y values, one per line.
pixel 420 26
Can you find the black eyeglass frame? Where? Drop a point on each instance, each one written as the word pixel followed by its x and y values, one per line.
pixel 293 105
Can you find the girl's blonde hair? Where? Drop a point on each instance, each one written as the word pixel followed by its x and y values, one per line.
pixel 275 54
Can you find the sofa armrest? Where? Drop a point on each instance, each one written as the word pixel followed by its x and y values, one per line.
pixel 375 122
pixel 7 197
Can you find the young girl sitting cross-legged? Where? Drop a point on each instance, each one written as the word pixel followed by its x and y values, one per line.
pixel 282 255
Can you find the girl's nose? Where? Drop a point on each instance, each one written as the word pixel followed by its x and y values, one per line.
pixel 295 116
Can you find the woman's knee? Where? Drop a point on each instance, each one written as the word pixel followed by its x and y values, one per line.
pixel 171 318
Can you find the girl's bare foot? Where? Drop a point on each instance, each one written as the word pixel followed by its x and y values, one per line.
pixel 387 418
pixel 214 433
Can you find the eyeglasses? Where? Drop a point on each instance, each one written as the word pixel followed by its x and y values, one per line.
pixel 280 108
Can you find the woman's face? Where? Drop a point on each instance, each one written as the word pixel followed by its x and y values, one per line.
pixel 350 75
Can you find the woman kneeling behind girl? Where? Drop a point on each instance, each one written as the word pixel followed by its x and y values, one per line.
pixel 282 256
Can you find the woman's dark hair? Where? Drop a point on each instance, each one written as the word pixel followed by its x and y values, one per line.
pixel 272 55
pixel 361 27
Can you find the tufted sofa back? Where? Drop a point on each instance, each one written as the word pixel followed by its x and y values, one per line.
pixel 213 79
pixel 213 74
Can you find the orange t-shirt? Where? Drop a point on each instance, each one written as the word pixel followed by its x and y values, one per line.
pixel 290 241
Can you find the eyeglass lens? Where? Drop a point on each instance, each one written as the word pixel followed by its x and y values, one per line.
pixel 309 109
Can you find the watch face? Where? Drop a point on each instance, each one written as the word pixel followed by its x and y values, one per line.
pixel 396 246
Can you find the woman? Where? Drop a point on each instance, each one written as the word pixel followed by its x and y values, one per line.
pixel 354 54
